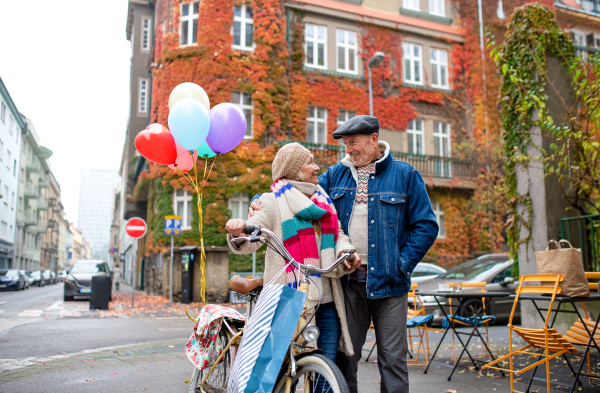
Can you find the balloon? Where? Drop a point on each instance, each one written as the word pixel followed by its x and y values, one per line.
pixel 189 90
pixel 205 152
pixel 184 161
pixel 227 128
pixel 156 144
pixel 189 123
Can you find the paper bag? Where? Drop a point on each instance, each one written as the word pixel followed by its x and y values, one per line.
pixel 565 261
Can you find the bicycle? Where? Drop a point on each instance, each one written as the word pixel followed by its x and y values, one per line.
pixel 303 368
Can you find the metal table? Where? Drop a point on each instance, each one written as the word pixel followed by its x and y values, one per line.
pixel 461 297
pixel 560 300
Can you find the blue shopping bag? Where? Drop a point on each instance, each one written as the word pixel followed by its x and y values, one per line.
pixel 266 339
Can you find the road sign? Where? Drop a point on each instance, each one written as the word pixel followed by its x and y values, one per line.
pixel 136 227
pixel 172 225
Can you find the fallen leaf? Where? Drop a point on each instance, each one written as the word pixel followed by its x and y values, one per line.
pixel 91 360
pixel 90 380
pixel 450 391
pixel 112 374
pixel 143 388
pixel 116 351
pixel 187 381
pixel 377 382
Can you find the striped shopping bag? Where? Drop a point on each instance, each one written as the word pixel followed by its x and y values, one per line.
pixel 266 339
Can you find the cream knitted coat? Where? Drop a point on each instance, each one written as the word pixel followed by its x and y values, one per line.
pixel 269 217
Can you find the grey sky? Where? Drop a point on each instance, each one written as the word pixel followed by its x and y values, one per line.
pixel 66 66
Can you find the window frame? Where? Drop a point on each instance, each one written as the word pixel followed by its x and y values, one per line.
pixel 190 18
pixel 442 3
pixel 3 112
pixel 313 117
pixel 243 107
pixel 439 135
pixel 347 48
pixel 438 64
pixel 146 31
pixel 185 198
pixel 439 213
pixel 243 20
pixel 145 91
pixel 407 48
pixel 316 41
pixel 413 5
pixel 244 200
pixel 415 132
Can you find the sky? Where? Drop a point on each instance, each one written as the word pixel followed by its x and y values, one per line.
pixel 66 66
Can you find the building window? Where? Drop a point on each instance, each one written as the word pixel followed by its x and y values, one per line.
pixel 1 150
pixel 3 112
pixel 15 168
pixel 9 159
pixel 182 204
pixel 146 33
pixel 143 98
pixel 347 49
pixel 439 217
pixel 342 118
pixel 244 101
pixel 12 201
pixel 11 124
pixel 20 205
pixel 4 230
pixel 416 137
pixel 238 204
pixel 441 145
pixel 243 26
pixel 316 124
pixel 412 63
pixel 188 25
pixel 439 68
pixel 315 46
pixel 411 5
pixel 437 7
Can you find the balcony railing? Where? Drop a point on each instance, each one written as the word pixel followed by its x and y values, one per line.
pixel 29 218
pixel 33 166
pixel 587 53
pixel 444 167
pixel 44 183
pixel 39 228
pixel 31 192
pixel 590 5
pixel 42 204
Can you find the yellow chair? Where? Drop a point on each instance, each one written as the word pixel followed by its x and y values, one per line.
pixel 551 343
pixel 417 310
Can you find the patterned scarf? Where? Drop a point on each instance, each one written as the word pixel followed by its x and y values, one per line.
pixel 299 237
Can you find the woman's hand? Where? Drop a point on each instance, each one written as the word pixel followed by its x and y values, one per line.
pixel 235 227
pixel 355 264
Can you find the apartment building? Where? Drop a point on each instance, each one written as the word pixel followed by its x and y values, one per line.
pixel 11 128
pixel 581 19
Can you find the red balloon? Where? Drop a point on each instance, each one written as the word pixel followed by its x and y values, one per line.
pixel 184 161
pixel 156 144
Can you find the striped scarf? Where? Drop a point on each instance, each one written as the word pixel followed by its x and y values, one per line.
pixel 299 237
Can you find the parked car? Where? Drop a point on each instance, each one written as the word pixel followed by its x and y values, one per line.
pixel 36 278
pixel 46 277
pixel 426 271
pixel 51 276
pixel 12 279
pixel 24 273
pixel 494 269
pixel 79 279
pixel 62 275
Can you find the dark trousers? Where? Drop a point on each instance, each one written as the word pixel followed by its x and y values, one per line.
pixel 328 322
pixel 389 318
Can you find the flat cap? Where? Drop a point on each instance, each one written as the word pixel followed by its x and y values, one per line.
pixel 362 124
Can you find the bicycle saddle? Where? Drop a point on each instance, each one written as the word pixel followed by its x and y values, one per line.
pixel 244 285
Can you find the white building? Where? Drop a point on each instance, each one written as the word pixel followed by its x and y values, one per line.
pixel 11 127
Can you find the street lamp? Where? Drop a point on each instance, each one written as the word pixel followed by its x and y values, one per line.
pixel 373 62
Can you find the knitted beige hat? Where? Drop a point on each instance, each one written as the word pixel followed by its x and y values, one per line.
pixel 289 161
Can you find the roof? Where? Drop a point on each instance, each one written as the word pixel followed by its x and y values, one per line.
pixel 443 31
pixel 11 104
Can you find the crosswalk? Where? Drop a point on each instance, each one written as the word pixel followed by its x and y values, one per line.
pixel 57 309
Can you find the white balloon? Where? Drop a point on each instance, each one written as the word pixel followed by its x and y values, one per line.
pixel 189 90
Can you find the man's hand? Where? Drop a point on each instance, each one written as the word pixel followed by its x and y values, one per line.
pixel 254 206
pixel 355 264
pixel 235 227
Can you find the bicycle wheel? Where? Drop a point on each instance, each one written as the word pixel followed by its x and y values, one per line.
pixel 220 374
pixel 311 369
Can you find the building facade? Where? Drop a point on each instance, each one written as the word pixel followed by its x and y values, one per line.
pixel 11 128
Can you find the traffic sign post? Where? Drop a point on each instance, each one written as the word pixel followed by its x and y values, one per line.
pixel 136 228
pixel 172 228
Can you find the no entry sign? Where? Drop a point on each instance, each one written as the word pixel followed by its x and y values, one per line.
pixel 136 227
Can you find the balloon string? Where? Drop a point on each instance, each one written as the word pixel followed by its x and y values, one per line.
pixel 205 177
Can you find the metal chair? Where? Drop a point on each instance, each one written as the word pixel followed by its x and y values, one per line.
pixel 551 343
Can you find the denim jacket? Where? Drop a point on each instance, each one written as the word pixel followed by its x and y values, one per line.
pixel 401 223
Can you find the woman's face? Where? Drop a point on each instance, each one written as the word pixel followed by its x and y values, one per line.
pixel 310 170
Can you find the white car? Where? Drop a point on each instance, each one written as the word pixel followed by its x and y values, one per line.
pixel 426 271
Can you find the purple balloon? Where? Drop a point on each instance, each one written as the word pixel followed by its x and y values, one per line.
pixel 227 128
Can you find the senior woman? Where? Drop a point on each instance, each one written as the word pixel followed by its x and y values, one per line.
pixel 299 211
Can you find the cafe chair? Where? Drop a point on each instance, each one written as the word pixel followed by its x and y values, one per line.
pixel 422 323
pixel 578 334
pixel 551 343
pixel 471 321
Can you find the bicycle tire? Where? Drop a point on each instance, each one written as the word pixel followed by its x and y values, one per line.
pixel 220 374
pixel 310 366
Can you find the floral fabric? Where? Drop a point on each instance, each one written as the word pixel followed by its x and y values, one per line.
pixel 203 345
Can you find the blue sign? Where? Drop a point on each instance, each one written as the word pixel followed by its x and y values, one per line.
pixel 172 225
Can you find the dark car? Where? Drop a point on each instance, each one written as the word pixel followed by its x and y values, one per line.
pixel 78 283
pixel 494 269
pixel 36 278
pixel 12 279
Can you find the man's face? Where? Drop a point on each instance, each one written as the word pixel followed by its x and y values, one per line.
pixel 362 149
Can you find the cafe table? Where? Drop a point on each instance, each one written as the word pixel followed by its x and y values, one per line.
pixel 592 343
pixel 461 297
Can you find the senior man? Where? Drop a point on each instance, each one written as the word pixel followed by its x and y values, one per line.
pixel 384 208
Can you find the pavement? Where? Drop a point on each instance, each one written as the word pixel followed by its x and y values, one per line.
pixel 49 346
